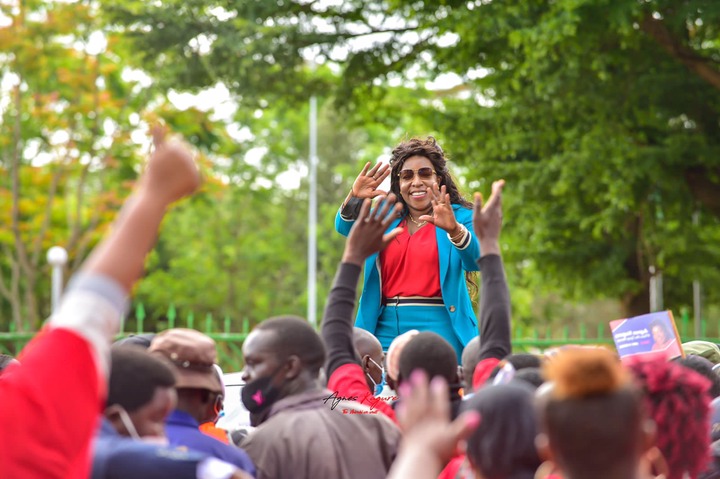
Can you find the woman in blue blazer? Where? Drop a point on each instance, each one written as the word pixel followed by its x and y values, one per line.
pixel 419 280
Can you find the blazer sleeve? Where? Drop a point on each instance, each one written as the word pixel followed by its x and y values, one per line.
pixel 470 251
pixel 342 224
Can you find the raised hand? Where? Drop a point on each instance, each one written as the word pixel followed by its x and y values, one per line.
pixel 171 172
pixel 430 439
pixel 487 219
pixel 367 235
pixel 367 183
pixel 442 211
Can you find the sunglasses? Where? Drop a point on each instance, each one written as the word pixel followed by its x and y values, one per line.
pixel 425 173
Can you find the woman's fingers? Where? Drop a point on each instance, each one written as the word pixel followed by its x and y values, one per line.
pixel 384 174
pixel 364 171
pixel 377 170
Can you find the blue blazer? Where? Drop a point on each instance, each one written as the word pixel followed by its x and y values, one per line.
pixel 453 264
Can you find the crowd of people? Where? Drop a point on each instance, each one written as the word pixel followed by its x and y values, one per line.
pixel 416 386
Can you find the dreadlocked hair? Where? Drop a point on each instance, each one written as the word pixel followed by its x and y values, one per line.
pixel 678 401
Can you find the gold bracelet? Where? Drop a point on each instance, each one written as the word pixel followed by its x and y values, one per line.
pixel 460 236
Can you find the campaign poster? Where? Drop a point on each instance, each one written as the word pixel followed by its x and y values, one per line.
pixel 650 334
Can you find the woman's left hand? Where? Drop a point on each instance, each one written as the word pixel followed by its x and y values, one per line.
pixel 442 210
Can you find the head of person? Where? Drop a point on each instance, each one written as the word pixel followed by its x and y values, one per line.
pixel 518 362
pixel 503 446
pixel 678 401
pixel 392 358
pixel 5 361
pixel 469 360
pixel 531 376
pixel 432 354
pixel 660 332
pixel 372 359
pixel 705 368
pixel 715 420
pixel 417 164
pixel 140 340
pixel 593 423
pixel 141 393
pixel 192 356
pixel 706 349
pixel 283 357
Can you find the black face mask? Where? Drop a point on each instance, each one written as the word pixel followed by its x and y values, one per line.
pixel 259 395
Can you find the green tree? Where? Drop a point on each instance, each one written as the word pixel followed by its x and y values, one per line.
pixel 65 153
pixel 601 114
pixel 71 123
pixel 248 260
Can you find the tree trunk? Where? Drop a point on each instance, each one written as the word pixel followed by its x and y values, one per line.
pixel 704 184
pixel 637 302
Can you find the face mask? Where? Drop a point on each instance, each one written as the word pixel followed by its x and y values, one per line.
pixel 127 422
pixel 378 386
pixel 130 427
pixel 260 394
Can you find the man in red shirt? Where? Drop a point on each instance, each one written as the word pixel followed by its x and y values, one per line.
pixel 51 402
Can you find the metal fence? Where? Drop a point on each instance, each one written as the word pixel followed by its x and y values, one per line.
pixel 230 334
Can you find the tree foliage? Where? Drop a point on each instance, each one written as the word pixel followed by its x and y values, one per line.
pixel 602 115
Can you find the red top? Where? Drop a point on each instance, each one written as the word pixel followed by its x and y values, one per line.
pixel 457 468
pixel 50 413
pixel 483 370
pixel 409 265
pixel 349 381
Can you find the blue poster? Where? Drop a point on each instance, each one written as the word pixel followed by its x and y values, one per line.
pixel 649 334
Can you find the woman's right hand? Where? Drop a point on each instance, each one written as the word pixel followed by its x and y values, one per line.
pixel 369 179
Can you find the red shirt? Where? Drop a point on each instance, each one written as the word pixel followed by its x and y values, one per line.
pixel 482 372
pixel 349 381
pixel 409 265
pixel 457 468
pixel 50 408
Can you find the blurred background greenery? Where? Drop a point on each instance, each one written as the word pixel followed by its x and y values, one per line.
pixel 602 115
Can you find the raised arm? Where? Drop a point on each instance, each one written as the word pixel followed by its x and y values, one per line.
pixel 117 262
pixel 366 238
pixel 60 385
pixel 494 323
pixel 430 440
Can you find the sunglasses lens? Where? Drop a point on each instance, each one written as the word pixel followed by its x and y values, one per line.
pixel 407 174
pixel 425 173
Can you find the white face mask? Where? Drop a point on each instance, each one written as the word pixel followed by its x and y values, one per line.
pixel 130 427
